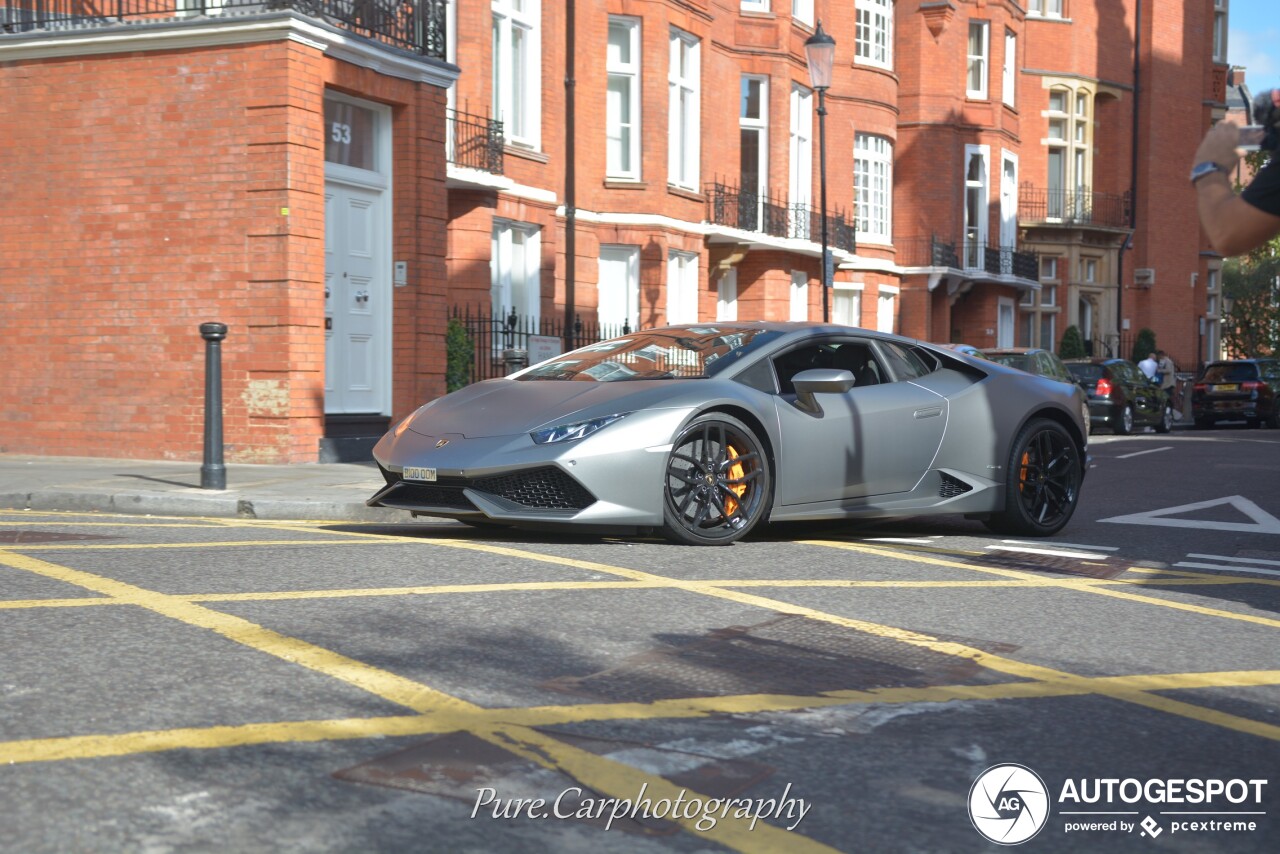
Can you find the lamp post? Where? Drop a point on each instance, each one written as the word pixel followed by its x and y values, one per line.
pixel 820 51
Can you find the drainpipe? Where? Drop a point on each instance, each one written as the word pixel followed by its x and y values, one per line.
pixel 570 177
pixel 1133 159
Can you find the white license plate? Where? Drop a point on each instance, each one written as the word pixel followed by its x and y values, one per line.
pixel 418 473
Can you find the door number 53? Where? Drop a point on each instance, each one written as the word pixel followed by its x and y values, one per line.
pixel 341 133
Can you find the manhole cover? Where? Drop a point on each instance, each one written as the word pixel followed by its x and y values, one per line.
pixel 496 782
pixel 37 537
pixel 1054 563
pixel 789 655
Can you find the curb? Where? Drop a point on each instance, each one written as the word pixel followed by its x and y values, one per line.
pixel 223 506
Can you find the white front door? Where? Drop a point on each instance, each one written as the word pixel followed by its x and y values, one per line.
pixel 357 306
pixel 1004 323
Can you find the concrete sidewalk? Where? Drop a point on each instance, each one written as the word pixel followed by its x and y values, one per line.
pixel 306 491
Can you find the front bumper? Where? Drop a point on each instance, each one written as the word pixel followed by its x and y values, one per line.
pixel 612 478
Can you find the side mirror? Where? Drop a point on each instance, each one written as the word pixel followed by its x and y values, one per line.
pixel 819 381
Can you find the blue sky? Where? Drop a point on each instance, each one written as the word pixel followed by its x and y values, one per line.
pixel 1253 40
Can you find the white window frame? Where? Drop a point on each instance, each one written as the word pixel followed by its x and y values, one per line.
pixel 1045 8
pixel 1220 29
pixel 682 286
pixel 1009 80
pixel 873 42
pixel 975 233
pixel 622 155
pixel 727 295
pixel 515 268
pixel 618 304
pixel 886 309
pixel 846 303
pixel 517 92
pixel 802 11
pixel 873 187
pixel 684 111
pixel 760 126
pixel 755 5
pixel 980 61
pixel 799 292
pixel 1008 204
pixel 800 160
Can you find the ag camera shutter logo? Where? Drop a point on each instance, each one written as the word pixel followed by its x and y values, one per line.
pixel 1008 804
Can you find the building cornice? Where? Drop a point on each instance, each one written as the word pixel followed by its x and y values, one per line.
pixel 191 33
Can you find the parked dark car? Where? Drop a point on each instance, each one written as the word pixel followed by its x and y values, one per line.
pixel 1042 363
pixel 1120 396
pixel 1241 389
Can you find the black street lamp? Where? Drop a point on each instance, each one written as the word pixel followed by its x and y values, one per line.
pixel 820 50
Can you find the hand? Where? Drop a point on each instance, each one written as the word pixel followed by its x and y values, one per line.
pixel 1219 145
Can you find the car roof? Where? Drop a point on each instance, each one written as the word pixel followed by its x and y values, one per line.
pixel 1014 351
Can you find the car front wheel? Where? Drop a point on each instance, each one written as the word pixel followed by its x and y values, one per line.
pixel 717 485
pixel 1042 485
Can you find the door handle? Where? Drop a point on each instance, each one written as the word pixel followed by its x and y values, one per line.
pixel 929 412
pixel 362 296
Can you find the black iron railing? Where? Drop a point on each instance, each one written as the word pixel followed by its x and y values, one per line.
pixel 413 25
pixel 474 142
pixel 492 333
pixel 749 211
pixel 967 255
pixel 1073 207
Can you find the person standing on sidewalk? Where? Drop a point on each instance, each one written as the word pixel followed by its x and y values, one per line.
pixel 1167 371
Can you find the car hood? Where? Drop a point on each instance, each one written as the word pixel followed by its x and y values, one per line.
pixel 504 407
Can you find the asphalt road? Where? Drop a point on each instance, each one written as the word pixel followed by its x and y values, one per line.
pixel 233 685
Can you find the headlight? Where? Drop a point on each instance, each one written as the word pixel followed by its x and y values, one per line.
pixel 578 430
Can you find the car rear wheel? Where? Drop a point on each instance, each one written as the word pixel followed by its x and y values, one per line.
pixel 1043 482
pixel 717 482
pixel 1124 424
pixel 1165 424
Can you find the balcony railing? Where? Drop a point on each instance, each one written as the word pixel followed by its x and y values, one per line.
pixel 1073 207
pixel 417 26
pixel 967 255
pixel 728 205
pixel 474 142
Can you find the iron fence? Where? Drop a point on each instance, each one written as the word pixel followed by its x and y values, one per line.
pixel 967 255
pixel 493 332
pixel 413 25
pixel 1073 207
pixel 750 211
pixel 474 142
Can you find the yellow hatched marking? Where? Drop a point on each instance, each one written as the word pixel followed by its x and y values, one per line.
pixel 1085 586
pixel 203 738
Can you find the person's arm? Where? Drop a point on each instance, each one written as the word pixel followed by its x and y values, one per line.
pixel 1234 226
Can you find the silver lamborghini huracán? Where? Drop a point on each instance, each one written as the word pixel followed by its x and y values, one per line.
pixel 705 431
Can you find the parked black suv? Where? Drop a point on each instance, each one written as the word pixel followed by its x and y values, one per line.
pixel 1120 395
pixel 1247 389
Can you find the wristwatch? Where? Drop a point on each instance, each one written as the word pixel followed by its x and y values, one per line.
pixel 1200 170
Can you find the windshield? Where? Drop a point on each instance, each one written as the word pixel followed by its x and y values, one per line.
pixel 693 352
pixel 1230 372
pixel 1021 361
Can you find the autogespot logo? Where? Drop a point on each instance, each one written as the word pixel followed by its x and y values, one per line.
pixel 1008 804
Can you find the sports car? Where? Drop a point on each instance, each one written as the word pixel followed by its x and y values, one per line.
pixel 705 431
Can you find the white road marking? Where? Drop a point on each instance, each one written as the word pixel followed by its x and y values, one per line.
pixel 1064 545
pixel 1140 453
pixel 1215 567
pixel 1236 559
pixel 1053 552
pixel 1263 522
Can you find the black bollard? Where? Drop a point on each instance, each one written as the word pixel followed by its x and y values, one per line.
pixel 213 474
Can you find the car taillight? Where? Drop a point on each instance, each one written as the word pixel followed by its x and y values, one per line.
pixel 1199 388
pixel 1103 389
pixel 1252 385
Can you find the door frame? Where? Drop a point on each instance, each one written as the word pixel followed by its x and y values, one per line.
pixel 378 182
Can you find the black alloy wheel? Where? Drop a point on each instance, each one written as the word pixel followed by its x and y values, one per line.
pixel 1042 485
pixel 717 486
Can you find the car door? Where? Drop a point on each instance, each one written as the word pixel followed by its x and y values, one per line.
pixel 1145 397
pixel 880 437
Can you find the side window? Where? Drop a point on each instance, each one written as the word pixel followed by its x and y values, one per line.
pixel 804 358
pixel 904 364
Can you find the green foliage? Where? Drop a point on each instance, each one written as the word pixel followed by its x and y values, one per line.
pixel 1251 316
pixel 1072 346
pixel 1144 346
pixel 459 356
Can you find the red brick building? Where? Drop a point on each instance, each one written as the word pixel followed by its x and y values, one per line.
pixel 330 179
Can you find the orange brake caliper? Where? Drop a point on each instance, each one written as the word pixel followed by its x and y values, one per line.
pixel 735 472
